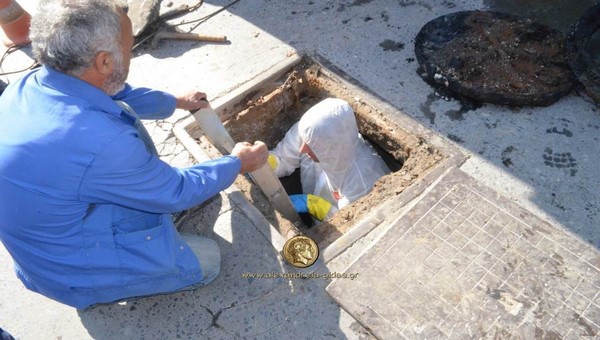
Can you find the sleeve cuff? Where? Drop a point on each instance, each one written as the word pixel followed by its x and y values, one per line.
pixel 235 160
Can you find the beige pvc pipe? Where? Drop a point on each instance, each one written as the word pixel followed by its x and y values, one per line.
pixel 264 177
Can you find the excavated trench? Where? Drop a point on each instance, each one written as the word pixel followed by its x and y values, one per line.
pixel 267 114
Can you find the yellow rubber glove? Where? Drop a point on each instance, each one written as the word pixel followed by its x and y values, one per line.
pixel 318 207
pixel 273 162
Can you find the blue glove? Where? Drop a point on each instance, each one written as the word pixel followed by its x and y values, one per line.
pixel 300 203
pixel 317 206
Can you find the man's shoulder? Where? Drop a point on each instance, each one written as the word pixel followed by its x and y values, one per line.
pixel 30 108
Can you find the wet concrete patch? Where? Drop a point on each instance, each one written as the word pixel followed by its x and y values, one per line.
pixel 455 138
pixel 564 132
pixel 390 45
pixel 506 160
pixel 385 16
pixel 560 160
pixel 408 3
pixel 448 4
pixel 361 2
pixel 466 105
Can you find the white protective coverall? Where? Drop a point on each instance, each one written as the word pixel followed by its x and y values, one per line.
pixel 348 166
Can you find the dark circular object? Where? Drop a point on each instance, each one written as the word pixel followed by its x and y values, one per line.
pixel 494 57
pixel 583 51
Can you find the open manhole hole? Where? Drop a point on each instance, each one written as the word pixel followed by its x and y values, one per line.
pixel 268 106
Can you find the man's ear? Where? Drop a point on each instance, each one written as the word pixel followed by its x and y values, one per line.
pixel 104 62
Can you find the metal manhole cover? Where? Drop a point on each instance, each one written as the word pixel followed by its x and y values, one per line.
pixel 583 51
pixel 495 58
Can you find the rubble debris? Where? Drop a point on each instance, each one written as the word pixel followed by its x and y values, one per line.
pixel 495 58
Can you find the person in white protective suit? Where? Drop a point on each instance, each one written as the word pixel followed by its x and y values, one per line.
pixel 337 166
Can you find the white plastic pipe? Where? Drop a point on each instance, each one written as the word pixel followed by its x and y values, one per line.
pixel 264 177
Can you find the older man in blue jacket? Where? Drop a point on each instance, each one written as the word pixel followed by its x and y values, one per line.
pixel 85 202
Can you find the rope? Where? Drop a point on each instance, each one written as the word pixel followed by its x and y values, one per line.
pixel 204 19
pixel 9 51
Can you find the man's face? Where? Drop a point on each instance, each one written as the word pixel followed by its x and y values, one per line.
pixel 116 80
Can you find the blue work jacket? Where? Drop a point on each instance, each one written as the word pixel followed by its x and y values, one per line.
pixel 84 207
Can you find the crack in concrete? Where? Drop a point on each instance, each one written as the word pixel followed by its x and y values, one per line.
pixel 266 331
pixel 215 316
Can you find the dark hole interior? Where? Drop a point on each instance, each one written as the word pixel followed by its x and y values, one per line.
pixel 292 186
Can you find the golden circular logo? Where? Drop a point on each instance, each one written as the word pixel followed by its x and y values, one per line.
pixel 301 251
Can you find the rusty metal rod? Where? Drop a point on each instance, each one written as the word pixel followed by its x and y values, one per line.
pixel 185 36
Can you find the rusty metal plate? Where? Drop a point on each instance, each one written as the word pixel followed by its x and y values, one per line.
pixel 583 51
pixel 494 57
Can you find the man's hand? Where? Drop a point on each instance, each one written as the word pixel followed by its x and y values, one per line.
pixel 192 100
pixel 252 156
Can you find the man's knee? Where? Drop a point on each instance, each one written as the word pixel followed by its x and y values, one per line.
pixel 208 253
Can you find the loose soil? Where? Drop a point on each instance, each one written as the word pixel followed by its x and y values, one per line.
pixel 495 58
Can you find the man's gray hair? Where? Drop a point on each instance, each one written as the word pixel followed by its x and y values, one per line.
pixel 66 35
